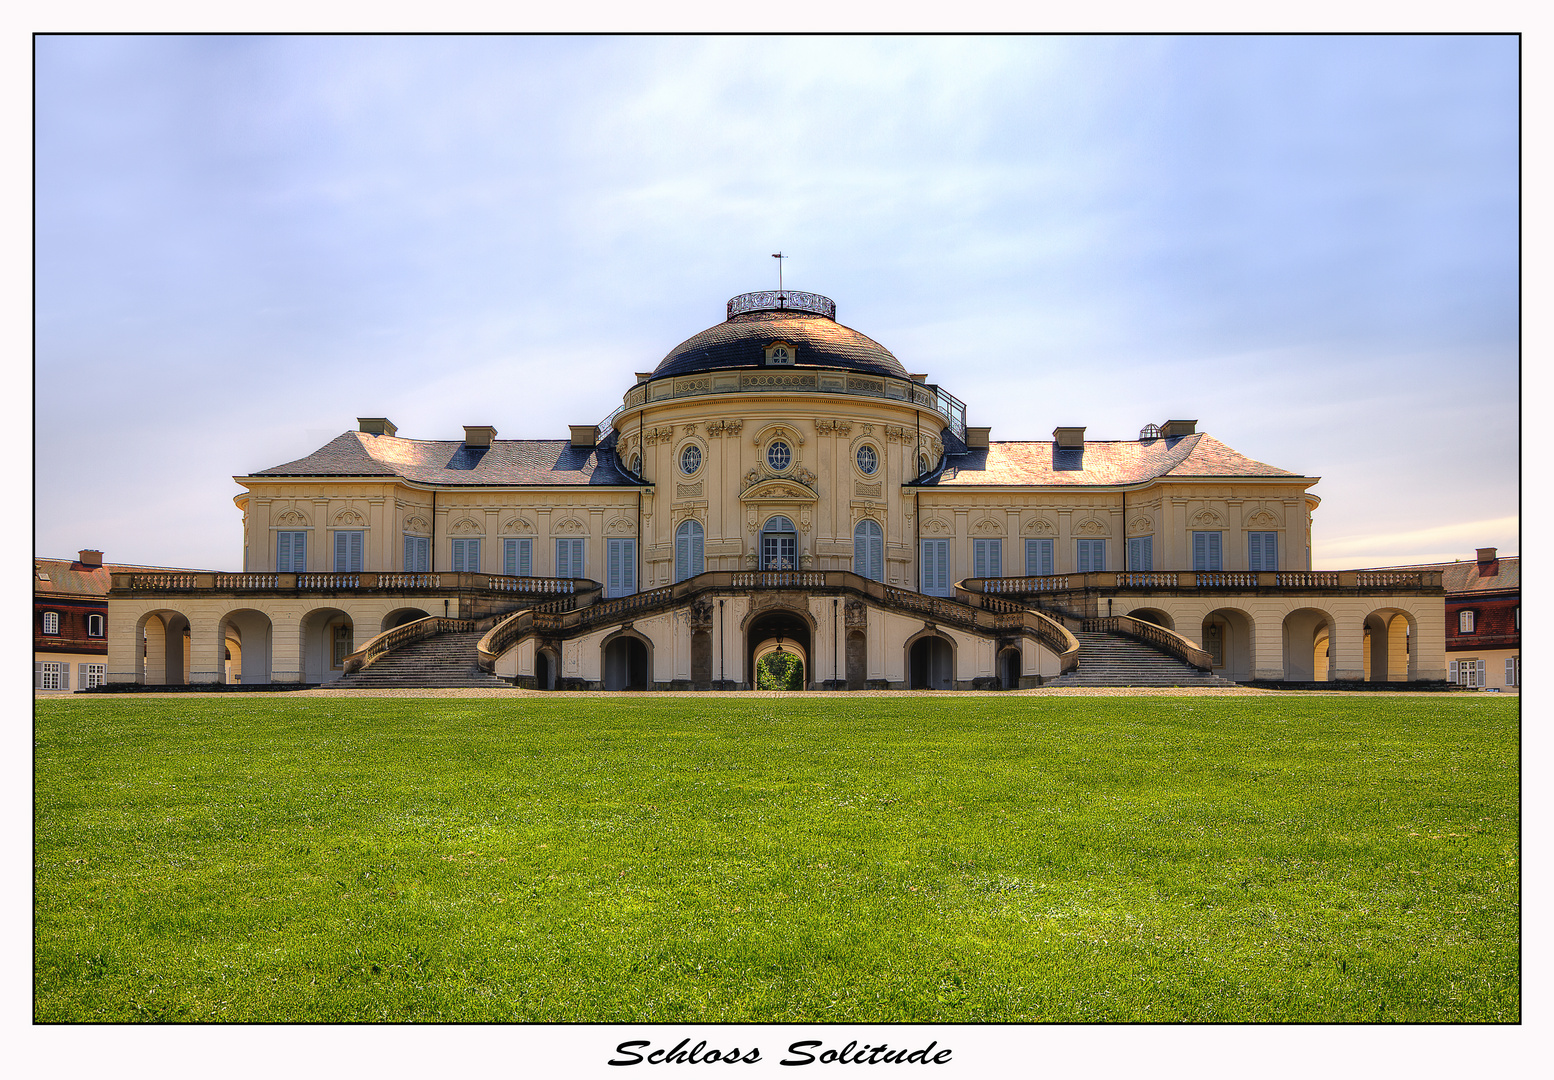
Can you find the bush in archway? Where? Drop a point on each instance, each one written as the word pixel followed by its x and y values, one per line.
pixel 779 671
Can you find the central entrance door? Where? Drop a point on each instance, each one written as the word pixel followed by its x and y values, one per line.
pixel 765 632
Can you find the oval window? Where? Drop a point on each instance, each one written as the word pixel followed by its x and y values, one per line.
pixel 868 460
pixel 778 456
pixel 690 459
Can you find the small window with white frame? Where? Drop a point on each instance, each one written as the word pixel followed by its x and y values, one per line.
pixel 95 625
pixel 51 622
pixel 91 675
pixel 1465 622
pixel 780 354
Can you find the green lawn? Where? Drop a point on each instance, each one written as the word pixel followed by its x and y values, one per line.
pixel 808 859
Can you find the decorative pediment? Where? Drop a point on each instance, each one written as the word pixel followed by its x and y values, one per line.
pixel 1206 519
pixel 1091 527
pixel 1263 519
pixel 291 518
pixel 937 527
pixel 777 489
pixel 349 517
pixel 987 527
pixel 417 524
pixel 1039 527
pixel 465 527
pixel 620 527
pixel 518 527
pixel 1141 525
pixel 569 527
pixel 772 431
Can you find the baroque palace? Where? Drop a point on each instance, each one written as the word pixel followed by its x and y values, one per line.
pixel 777 482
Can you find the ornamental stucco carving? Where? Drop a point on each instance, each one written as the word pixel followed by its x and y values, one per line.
pixel 349 517
pixel 1262 520
pixel 1206 519
pixel 937 527
pixel 415 523
pixel 465 526
pixel 988 527
pixel 620 527
pixel 1091 527
pixel 1039 527
pixel 569 527
pixel 291 517
pixel 1141 524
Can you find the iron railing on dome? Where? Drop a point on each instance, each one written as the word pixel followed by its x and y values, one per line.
pixel 786 300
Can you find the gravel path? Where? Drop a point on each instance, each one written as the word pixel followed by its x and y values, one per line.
pixel 498 692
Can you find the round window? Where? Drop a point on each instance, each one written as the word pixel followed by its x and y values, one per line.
pixel 778 456
pixel 690 459
pixel 868 460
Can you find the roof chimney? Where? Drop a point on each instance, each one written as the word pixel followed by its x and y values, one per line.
pixel 92 557
pixel 976 437
pixel 1069 438
pixel 376 425
pixel 1485 555
pixel 584 436
pixel 1176 428
pixel 478 436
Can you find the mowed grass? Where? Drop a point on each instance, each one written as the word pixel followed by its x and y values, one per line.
pixel 1347 858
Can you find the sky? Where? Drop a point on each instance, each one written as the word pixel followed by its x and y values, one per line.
pixel 1307 244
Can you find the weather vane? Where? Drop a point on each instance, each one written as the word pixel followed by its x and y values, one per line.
pixel 781 299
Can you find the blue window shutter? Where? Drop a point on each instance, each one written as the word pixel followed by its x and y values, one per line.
pixel 1200 551
pixel 283 552
pixel 356 550
pixel 37 674
pixel 876 553
pixel 410 549
pixel 995 558
pixel 525 558
pixel 1453 675
pixel 1480 672
pixel 342 552
pixel 299 552
pixel 698 551
pixel 1215 561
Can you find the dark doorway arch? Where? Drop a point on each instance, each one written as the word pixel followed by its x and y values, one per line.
pixel 931 664
pixel 626 663
pixel 542 675
pixel 1009 669
pixel 779 626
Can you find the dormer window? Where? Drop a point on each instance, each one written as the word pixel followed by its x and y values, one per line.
pixel 780 354
pixel 1465 622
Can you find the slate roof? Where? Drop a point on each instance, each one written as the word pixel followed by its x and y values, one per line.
pixel 1042 464
pixel 525 462
pixel 741 342
pixel 1471 576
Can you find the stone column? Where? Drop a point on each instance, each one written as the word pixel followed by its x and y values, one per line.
pixel 1346 660
pixel 286 648
pixel 206 645
pixel 1268 642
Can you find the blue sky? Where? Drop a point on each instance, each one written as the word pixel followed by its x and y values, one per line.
pixel 1307 244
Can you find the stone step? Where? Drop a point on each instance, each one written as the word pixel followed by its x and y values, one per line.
pixel 446 661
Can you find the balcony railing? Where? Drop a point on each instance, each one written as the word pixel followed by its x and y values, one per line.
pixel 1207 580
pixel 392 580
pixel 1009 618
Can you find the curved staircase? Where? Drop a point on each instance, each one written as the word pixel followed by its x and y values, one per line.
pixel 1113 660
pixel 440 662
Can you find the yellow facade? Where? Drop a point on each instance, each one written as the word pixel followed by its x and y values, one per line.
pixel 781 442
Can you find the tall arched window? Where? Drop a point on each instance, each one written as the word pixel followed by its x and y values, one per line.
pixel 869 550
pixel 779 545
pixel 689 558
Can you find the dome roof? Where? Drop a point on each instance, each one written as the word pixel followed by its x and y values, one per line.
pixel 803 320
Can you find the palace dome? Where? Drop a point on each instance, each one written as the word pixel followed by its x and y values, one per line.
pixel 806 321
